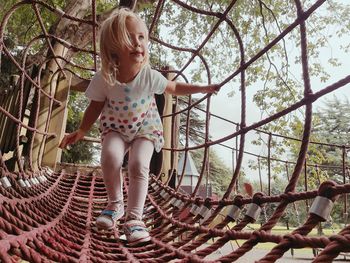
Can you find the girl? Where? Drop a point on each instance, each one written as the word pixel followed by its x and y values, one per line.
pixel 122 94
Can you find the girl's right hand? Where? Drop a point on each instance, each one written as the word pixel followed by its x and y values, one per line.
pixel 71 138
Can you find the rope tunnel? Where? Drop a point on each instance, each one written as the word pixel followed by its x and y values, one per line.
pixel 48 207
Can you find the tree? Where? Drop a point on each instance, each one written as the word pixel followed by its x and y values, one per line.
pixel 332 121
pixel 51 53
pixel 272 77
pixel 331 129
pixel 82 152
pixel 329 145
pixel 294 214
pixel 330 132
pixel 219 174
pixel 281 87
pixel 257 23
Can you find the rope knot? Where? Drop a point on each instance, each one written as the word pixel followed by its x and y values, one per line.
pixel 257 198
pixel 254 209
pixel 323 203
pixel 237 201
pixel 257 235
pixel 327 190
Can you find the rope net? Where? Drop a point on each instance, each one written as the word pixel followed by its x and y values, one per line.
pixel 48 209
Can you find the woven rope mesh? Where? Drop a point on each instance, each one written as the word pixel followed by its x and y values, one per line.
pixel 48 208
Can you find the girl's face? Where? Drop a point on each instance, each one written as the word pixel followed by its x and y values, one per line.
pixel 139 39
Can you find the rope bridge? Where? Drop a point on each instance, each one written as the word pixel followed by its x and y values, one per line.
pixel 48 209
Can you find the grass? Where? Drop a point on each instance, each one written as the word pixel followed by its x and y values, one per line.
pixel 281 230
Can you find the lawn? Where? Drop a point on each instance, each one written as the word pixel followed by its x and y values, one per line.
pixel 281 230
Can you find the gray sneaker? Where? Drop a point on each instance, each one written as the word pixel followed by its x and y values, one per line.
pixel 136 232
pixel 108 218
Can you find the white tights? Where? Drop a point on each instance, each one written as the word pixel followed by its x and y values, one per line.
pixel 140 153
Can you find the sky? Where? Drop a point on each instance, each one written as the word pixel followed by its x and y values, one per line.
pixel 229 107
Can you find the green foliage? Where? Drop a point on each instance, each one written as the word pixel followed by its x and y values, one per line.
pixel 281 88
pixel 294 214
pixel 257 23
pixel 333 121
pixel 275 76
pixel 324 162
pixel 81 152
pixel 196 122
pixel 331 126
pixel 219 174
pixel 7 69
pixel 23 24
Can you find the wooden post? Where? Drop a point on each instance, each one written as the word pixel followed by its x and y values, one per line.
pixel 166 166
pixel 48 84
pixel 52 154
pixel 168 130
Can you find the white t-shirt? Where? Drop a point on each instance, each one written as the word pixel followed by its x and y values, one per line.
pixel 130 108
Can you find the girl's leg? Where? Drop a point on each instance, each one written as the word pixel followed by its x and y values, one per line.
pixel 112 155
pixel 140 155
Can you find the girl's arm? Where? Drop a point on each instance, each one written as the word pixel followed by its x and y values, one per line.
pixel 179 88
pixel 90 116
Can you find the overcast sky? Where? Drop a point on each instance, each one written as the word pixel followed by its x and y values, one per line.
pixel 229 107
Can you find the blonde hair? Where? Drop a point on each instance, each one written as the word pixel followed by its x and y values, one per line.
pixel 113 36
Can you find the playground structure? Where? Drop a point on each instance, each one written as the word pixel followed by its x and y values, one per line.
pixel 48 208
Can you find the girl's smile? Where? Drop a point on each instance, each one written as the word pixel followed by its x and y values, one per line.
pixel 137 54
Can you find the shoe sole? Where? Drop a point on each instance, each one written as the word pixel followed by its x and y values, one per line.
pixel 104 227
pixel 140 241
